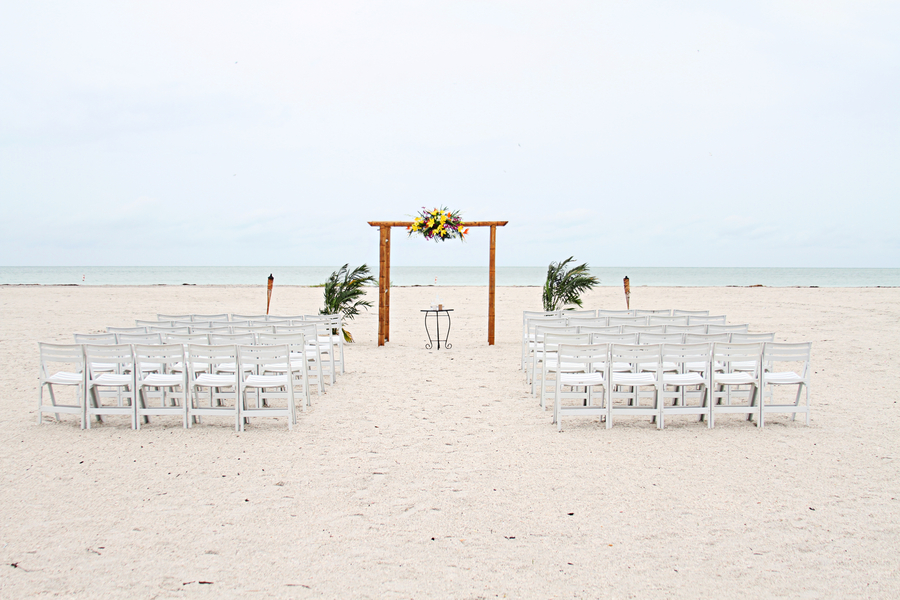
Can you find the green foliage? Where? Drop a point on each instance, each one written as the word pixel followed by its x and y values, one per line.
pixel 565 286
pixel 344 292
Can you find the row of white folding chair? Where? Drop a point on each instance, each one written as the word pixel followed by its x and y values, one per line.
pixel 142 374
pixel 550 324
pixel 532 319
pixel 584 367
pixel 224 335
pixel 546 351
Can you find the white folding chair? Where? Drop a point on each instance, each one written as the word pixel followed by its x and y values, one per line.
pixel 615 313
pixel 253 329
pixel 126 330
pixel 160 317
pixel 587 321
pixel 236 317
pixel 333 335
pixel 168 329
pixel 685 374
pixel 290 318
pixel 105 339
pixel 221 389
pixel 306 362
pixel 537 353
pixel 160 382
pixel 728 383
pixel 110 389
pixel 549 362
pixel 261 372
pixel 581 368
pixel 66 363
pixel 533 314
pixel 578 313
pixel 598 329
pixel 637 376
pixel 776 358
pixel 686 328
pixel 660 329
pixel 145 323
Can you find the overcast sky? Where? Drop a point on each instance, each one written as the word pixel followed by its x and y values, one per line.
pixel 624 133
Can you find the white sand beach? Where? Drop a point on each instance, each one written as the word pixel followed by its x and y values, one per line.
pixel 435 474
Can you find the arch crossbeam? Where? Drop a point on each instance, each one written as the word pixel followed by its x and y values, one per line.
pixel 384 274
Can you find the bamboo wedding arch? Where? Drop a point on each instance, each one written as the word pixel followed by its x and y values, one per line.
pixel 384 274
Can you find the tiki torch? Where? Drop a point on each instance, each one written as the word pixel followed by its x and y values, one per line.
pixel 269 292
pixel 627 293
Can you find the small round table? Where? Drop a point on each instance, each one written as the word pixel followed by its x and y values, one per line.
pixel 437 322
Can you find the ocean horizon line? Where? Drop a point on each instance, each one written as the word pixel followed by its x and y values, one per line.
pixel 408 276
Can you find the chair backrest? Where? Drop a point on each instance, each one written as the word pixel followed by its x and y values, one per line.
pixel 286 317
pixel 690 313
pixel 138 338
pixel 608 338
pixel 686 328
pixel 219 339
pixel 780 352
pixel 206 358
pixel 253 329
pixel 706 320
pixel 578 313
pixel 295 341
pixel 553 340
pixel 686 356
pixel 661 338
pixel 664 312
pixel 184 323
pixel 220 329
pixel 743 328
pixel 643 328
pixel 71 355
pixel 185 338
pixel 585 320
pixel 541 330
pixel 260 323
pixel 739 337
pixel 116 357
pixel 586 358
pixel 596 329
pixel 726 353
pixel 95 338
pixel 657 320
pixel 706 338
pixel 628 320
pixel 615 313
pixel 239 323
pixel 544 322
pixel 294 328
pixel 201 318
pixel 636 355
pixel 160 317
pixel 235 317
pixel 279 323
pixel 145 323
pixel 126 330
pixel 259 356
pixel 164 358
pixel 168 329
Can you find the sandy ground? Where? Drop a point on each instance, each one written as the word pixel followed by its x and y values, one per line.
pixel 434 474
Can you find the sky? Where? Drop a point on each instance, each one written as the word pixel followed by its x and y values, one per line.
pixel 689 134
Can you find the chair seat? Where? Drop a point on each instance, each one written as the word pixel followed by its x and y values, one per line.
pixel 208 380
pixel 265 381
pixel 159 380
pixel 65 378
pixel 581 378
pixel 682 379
pixel 733 378
pixel 633 378
pixel 787 377
pixel 113 379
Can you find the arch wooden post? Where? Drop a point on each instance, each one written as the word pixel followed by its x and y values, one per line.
pixel 384 274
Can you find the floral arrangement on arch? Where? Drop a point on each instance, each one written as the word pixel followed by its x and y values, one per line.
pixel 438 224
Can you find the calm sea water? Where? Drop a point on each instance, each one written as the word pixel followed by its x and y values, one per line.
pixel 406 276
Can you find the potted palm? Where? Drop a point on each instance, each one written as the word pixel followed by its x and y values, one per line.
pixel 565 285
pixel 344 292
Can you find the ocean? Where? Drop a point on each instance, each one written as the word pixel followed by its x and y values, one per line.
pixel 455 276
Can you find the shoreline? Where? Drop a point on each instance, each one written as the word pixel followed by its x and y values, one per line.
pixel 288 285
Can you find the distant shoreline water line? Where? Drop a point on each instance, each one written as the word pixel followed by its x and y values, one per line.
pixel 452 276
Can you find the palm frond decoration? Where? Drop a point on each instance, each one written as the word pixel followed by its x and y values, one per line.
pixel 564 285
pixel 344 292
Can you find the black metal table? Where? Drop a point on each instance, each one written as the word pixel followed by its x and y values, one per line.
pixel 437 323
